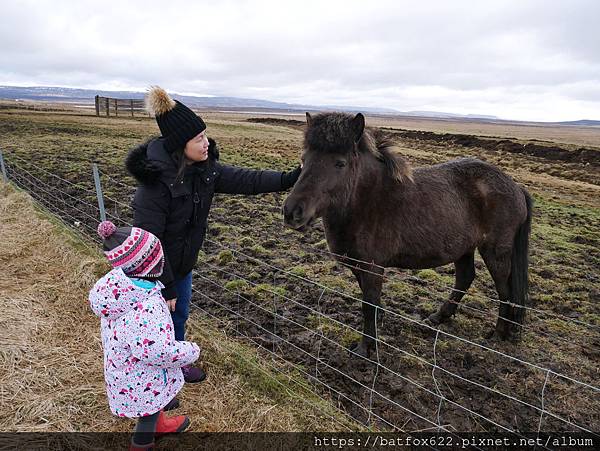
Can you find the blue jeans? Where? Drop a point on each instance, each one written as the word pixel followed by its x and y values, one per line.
pixel 183 287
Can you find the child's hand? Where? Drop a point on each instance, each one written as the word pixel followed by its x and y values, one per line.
pixel 171 304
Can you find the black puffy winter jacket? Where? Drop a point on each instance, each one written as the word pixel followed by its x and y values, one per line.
pixel 176 212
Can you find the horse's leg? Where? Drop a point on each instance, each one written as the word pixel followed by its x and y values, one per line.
pixel 465 273
pixel 497 260
pixel 370 281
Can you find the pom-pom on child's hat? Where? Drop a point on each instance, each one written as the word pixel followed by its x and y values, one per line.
pixel 138 252
pixel 177 123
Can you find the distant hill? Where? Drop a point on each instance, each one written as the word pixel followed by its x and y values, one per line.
pixel 440 114
pixel 585 122
pixel 86 96
pixel 60 94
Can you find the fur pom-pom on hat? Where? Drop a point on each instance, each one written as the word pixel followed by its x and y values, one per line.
pixel 106 229
pixel 178 124
pixel 158 101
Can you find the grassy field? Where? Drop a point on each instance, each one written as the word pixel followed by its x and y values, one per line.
pixel 240 269
pixel 51 356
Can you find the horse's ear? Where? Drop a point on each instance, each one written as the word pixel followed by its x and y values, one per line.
pixel 358 126
pixel 308 119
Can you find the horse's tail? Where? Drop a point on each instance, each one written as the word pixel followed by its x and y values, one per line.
pixel 519 274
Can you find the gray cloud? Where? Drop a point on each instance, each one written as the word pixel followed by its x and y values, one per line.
pixel 524 60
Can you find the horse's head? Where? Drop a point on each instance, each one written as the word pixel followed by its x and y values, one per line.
pixel 329 161
pixel 341 157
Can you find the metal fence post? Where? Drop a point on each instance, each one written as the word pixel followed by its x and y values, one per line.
pixel 4 176
pixel 99 192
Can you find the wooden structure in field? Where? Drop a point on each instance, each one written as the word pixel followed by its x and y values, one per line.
pixel 107 106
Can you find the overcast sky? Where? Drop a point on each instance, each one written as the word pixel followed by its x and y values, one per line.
pixel 528 60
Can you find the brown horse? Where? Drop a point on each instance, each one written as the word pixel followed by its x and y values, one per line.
pixel 376 209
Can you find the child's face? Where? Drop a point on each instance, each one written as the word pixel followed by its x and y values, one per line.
pixel 158 270
pixel 159 257
pixel 196 149
pixel 160 267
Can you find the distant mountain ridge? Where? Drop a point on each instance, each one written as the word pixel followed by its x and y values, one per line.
pixel 74 95
pixel 57 93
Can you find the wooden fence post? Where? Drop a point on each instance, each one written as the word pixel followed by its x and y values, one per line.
pixel 131 103
pixel 107 107
pixel 97 102
pixel 116 107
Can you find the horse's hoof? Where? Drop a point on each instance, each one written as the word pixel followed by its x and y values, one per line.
pixel 435 319
pixel 497 335
pixel 359 349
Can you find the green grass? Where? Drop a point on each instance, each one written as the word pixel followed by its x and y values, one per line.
pixel 225 257
pixel 565 240
pixel 266 292
pixel 333 330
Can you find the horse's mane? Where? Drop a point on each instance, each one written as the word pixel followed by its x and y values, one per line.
pixel 330 132
pixel 383 148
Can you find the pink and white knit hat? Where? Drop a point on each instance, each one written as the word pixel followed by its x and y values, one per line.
pixel 138 252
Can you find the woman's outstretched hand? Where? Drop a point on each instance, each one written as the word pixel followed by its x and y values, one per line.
pixel 171 304
pixel 289 178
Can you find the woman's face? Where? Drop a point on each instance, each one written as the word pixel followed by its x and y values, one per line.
pixel 196 149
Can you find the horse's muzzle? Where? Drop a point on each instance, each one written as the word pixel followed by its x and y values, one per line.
pixel 294 215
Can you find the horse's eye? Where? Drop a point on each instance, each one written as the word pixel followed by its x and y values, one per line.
pixel 340 164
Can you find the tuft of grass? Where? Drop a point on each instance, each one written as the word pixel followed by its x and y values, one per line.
pixel 218 229
pixel 298 270
pixel 343 335
pixel 428 274
pixel 258 251
pixel 246 241
pixel 225 257
pixel 254 276
pixel 265 291
pixel 237 285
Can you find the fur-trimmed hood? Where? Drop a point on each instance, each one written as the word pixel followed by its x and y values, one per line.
pixel 150 161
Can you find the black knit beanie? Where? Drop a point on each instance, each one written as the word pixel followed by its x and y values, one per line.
pixel 177 123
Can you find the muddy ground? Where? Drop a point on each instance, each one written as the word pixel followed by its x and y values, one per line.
pixel 260 277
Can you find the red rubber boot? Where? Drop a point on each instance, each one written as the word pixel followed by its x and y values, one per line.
pixel 170 425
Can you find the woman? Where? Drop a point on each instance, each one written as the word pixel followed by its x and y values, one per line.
pixel 178 175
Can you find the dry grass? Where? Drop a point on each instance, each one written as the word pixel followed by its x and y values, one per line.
pixel 51 358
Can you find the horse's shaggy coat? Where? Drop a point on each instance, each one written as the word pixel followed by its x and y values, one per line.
pixel 378 211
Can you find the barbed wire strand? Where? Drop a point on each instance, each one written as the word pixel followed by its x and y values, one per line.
pixel 75 185
pixel 83 238
pixel 32 177
pixel 273 353
pixel 331 367
pixel 424 325
pixel 259 367
pixel 404 352
pixel 427 326
pixel 453 289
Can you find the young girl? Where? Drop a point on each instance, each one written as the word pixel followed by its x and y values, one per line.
pixel 142 359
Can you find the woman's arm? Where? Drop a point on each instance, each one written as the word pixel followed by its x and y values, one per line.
pixel 150 212
pixel 234 180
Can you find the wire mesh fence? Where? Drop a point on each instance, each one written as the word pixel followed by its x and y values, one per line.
pixel 421 377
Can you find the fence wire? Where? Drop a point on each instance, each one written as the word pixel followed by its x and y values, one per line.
pixel 82 217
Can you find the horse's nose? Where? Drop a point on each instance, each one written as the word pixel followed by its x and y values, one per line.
pixel 292 214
